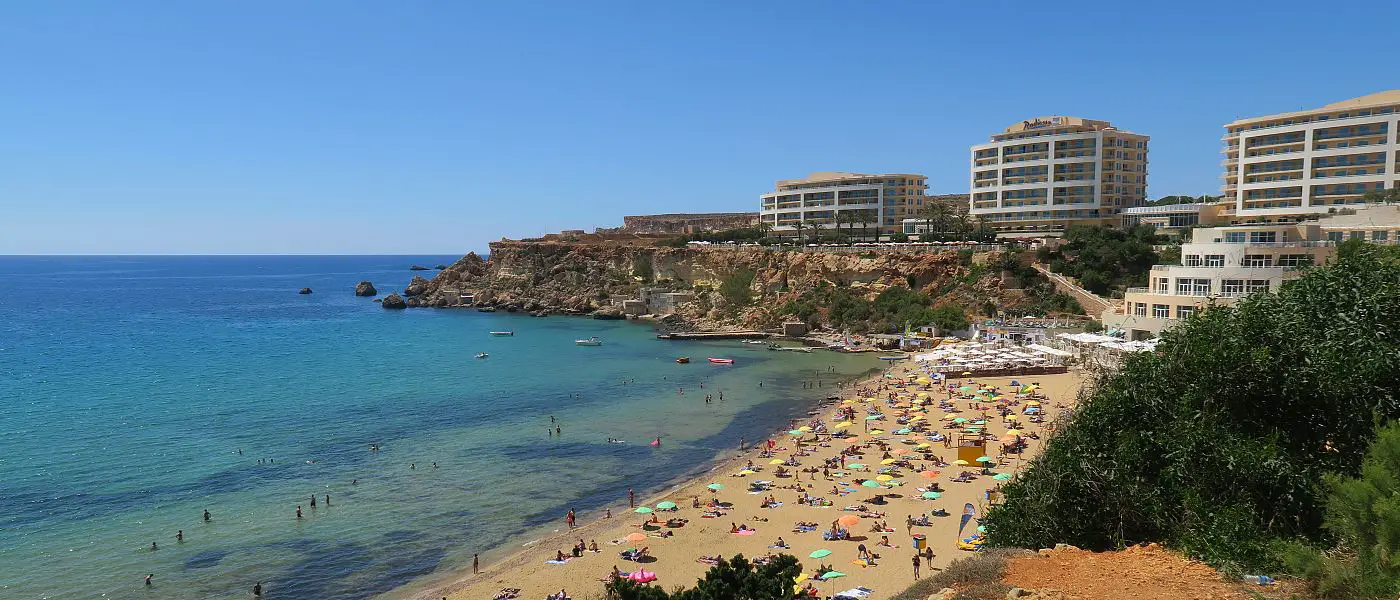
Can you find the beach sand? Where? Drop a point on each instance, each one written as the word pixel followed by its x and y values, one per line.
pixel 675 557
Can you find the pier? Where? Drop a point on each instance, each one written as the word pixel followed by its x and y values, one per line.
pixel 714 335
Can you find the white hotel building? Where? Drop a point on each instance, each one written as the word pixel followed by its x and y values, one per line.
pixel 879 202
pixel 1042 175
pixel 1292 166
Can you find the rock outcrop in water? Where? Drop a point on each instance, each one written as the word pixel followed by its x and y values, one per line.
pixel 584 278
pixel 365 288
pixel 417 286
pixel 393 301
pixel 304 291
pixel 418 268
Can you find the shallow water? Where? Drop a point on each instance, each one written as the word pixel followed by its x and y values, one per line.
pixel 129 384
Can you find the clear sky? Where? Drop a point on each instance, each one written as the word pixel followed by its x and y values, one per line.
pixel 406 127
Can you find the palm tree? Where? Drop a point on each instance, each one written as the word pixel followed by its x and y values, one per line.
pixel 847 217
pixel 935 212
pixel 798 226
pixel 764 228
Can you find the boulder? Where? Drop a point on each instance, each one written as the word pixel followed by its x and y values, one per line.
pixel 418 268
pixel 441 267
pixel 417 287
pixel 944 594
pixel 609 313
pixel 365 288
pixel 393 301
pixel 304 291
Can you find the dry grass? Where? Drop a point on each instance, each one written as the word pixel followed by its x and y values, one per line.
pixel 975 577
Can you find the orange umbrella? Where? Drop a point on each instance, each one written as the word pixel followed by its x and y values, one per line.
pixel 635 537
pixel 929 474
pixel 848 520
pixel 899 451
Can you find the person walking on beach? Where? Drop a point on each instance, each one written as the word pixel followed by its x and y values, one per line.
pixel 476 564
pixel 570 518
pixel 916 565
pixel 631 498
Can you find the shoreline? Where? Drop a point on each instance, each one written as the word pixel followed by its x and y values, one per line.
pixel 515 550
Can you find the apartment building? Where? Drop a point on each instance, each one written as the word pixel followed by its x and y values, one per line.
pixel 1218 266
pixel 879 202
pixel 1292 166
pixel 1039 176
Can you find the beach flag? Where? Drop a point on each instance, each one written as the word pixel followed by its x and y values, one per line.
pixel 968 511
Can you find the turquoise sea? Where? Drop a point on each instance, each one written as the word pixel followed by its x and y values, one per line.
pixel 129 386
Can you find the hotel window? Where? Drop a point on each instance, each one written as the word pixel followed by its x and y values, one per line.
pixel 1183 312
pixel 1295 260
pixel 1215 260
pixel 1257 260
pixel 1358 235
pixel 1234 237
pixel 1263 237
pixel 1163 287
pixel 1139 309
pixel 1256 286
pixel 1186 286
pixel 1334 236
pixel 1192 260
pixel 1232 288
pixel 1161 311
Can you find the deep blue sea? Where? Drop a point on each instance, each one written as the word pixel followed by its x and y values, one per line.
pixel 138 392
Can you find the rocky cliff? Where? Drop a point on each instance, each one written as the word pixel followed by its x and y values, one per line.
pixel 579 278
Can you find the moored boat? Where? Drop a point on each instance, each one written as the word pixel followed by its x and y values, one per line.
pixel 722 361
pixel 683 360
pixel 503 333
pixel 593 341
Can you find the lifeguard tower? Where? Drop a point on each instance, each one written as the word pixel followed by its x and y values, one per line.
pixel 971 447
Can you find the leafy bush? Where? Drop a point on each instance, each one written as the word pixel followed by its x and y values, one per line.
pixel 736 288
pixel 736 578
pixel 1214 443
pixel 643 269
pixel 1363 514
pixel 1103 258
pixel 899 238
pixel 949 317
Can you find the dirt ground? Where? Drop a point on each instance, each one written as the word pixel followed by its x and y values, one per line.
pixel 1143 572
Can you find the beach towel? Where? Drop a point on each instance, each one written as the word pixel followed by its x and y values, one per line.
pixel 746 532
pixel 557 562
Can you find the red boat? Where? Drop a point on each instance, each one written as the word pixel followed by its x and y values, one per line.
pixel 722 361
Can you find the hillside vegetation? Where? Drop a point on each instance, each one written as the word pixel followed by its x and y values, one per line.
pixel 1217 443
pixel 1105 260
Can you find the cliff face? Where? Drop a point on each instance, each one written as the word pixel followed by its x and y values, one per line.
pixel 584 278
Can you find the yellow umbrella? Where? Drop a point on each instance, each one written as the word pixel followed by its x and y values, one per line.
pixel 960 462
pixel 776 461
pixel 1013 432
pixel 804 428
pixel 1033 403
pixel 899 452
pixel 746 472
pixel 883 478
pixel 949 417
pixel 890 461
pixel 1012 417
pixel 922 381
pixel 916 417
pixel 923 445
pixel 922 394
pixel 842 424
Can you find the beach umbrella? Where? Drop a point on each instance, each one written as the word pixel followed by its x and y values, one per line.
pixel 949 417
pixel 967 372
pixel 870 483
pixel 873 418
pixel 855 466
pixel 635 537
pixel 820 553
pixel 960 462
pixel 923 445
pixel 981 529
pixel 848 520
pixel 1026 389
pixel 804 428
pixel 984 459
pixel 1002 476
pixel 795 432
pixel 979 422
pixel 1012 417
pixel 842 425
pixel 967 388
pixel 959 420
pixel 716 486
pixel 899 451
pixel 643 509
pixel 883 477
pixel 888 461
pixel 776 461
pixel 876 431
pixel 746 472
pixel 1013 432
pixel 1032 403
pixel 932 495
pixel 1008 439
pixel 668 505
pixel 928 474
pixel 904 431
pixel 832 575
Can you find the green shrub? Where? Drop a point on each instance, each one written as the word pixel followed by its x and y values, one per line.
pixel 949 317
pixel 736 288
pixel 899 238
pixel 734 578
pixel 1104 259
pixel 1214 444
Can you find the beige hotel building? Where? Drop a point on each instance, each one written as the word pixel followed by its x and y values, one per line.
pixel 1292 166
pixel 1042 175
pixel 881 202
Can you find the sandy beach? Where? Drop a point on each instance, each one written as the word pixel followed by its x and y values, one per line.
pixel 894 395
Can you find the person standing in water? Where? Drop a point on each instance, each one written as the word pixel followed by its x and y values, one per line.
pixel 631 498
pixel 257 590
pixel 313 501
pixel 328 499
pixel 179 535
pixel 148 579
pixel 298 511
pixel 206 515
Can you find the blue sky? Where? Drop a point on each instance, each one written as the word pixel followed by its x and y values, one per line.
pixel 404 127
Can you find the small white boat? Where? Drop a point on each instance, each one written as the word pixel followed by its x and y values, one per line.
pixel 760 342
pixel 482 355
pixel 593 341
pixel 502 333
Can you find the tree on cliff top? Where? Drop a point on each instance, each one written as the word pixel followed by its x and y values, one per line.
pixel 1215 443
pixel 734 579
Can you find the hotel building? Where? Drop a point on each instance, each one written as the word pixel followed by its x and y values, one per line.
pixel 881 202
pixel 1218 266
pixel 1290 166
pixel 1042 175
